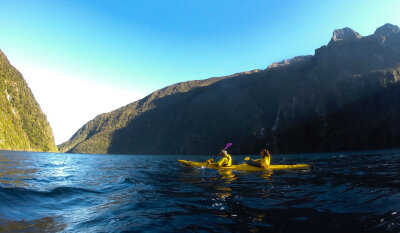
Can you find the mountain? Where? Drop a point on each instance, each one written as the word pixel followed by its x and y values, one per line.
pixel 345 97
pixel 23 126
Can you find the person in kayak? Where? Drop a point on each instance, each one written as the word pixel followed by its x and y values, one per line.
pixel 226 159
pixel 263 162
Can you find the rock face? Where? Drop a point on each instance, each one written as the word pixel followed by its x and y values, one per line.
pixel 345 97
pixel 387 30
pixel 23 126
pixel 344 34
pixel 286 62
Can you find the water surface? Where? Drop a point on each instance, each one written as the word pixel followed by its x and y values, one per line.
pixel 347 192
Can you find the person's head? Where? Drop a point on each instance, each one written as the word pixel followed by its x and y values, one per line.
pixel 264 152
pixel 223 152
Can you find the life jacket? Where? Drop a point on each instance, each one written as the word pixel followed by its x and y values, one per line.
pixel 229 160
pixel 225 161
pixel 265 161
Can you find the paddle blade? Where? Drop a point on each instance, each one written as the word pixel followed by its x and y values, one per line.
pixel 228 145
pixel 247 158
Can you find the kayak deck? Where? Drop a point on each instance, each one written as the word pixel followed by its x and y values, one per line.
pixel 242 167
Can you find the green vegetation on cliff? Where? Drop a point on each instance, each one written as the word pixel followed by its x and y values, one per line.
pixel 23 126
pixel 345 97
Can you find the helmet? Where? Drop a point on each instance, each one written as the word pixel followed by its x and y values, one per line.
pixel 223 152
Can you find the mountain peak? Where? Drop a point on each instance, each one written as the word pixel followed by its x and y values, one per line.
pixel 387 29
pixel 344 34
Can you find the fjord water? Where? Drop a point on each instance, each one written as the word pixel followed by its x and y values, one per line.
pixel 347 192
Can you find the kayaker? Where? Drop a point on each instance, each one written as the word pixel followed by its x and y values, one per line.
pixel 263 162
pixel 226 159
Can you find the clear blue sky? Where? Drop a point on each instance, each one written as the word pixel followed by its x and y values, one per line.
pixel 141 46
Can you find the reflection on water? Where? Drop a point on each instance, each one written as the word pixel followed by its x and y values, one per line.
pixel 266 175
pixel 227 176
pixel 14 172
pixel 46 224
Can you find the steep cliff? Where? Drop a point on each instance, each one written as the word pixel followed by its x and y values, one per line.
pixel 345 97
pixel 23 126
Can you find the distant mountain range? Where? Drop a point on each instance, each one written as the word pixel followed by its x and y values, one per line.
pixel 23 126
pixel 345 97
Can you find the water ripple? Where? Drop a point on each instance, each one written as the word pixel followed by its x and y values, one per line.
pixel 347 192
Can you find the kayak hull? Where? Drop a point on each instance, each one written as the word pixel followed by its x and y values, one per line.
pixel 243 167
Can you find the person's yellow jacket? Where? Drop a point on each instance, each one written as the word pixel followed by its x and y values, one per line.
pixel 264 162
pixel 225 161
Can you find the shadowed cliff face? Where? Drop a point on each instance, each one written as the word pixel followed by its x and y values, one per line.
pixel 23 126
pixel 344 97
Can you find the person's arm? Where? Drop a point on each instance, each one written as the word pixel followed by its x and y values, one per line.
pixel 222 162
pixel 209 161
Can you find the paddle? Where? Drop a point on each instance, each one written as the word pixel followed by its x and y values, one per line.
pixel 229 144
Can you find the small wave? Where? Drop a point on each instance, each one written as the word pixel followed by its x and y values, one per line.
pixel 7 193
pixel 129 180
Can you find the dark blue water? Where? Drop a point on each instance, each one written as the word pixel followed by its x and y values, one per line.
pixel 347 192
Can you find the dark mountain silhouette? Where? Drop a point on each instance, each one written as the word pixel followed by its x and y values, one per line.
pixel 23 126
pixel 345 97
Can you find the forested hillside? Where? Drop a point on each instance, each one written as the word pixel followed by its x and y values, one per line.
pixel 23 126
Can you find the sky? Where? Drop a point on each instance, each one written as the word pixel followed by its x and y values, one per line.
pixel 82 58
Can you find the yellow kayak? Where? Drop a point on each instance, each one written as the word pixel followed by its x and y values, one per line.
pixel 243 167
